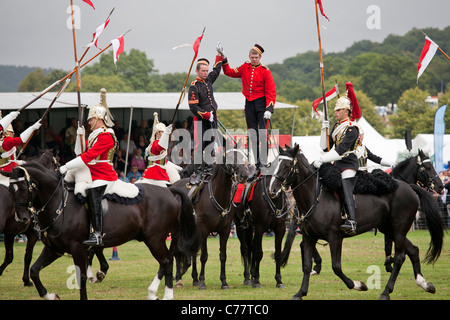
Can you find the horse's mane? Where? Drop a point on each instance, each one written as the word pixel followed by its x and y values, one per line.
pixel 41 168
pixel 401 166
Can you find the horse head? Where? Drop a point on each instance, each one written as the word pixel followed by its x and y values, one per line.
pixel 19 188
pixel 427 175
pixel 47 158
pixel 285 171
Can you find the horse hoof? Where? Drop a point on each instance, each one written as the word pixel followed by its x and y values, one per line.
pixel 247 282
pixel 100 276
pixel 201 286
pixel 256 285
pixel 195 283
pixel 384 297
pixel 28 284
pixel 51 296
pixel 431 288
pixel 296 298
pixel 225 287
pixel 314 273
pixel 360 286
pixel 179 284
pixel 280 286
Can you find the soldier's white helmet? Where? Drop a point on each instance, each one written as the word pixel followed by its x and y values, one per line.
pixel 342 103
pixel 101 111
pixel 160 127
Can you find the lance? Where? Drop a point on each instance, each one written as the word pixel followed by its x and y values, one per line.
pixel 61 90
pixel 77 72
pixel 183 91
pixel 325 109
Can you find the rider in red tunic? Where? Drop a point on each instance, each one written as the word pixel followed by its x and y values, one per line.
pixel 8 142
pixel 157 155
pixel 100 148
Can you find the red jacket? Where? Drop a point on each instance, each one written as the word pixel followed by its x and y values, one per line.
pixel 257 82
pixel 8 144
pixel 154 171
pixel 99 151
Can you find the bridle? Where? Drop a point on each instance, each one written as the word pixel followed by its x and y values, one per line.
pixel 426 177
pixel 29 203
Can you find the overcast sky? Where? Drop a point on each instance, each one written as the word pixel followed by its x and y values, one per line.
pixel 35 33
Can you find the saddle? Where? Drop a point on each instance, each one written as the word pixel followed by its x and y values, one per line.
pixel 119 191
pixel 377 182
pixel 194 191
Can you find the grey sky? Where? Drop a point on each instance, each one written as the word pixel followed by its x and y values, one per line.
pixel 34 33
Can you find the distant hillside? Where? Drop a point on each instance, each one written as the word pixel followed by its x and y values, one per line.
pixel 10 76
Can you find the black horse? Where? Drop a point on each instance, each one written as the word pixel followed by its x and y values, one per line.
pixel 11 224
pixel 212 207
pixel 63 224
pixel 255 217
pixel 321 217
pixel 413 170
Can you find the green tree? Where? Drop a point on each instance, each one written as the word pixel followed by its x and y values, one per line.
pixel 34 81
pixel 413 113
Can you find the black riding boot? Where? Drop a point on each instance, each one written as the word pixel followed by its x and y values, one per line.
pixel 348 185
pixel 196 177
pixel 95 196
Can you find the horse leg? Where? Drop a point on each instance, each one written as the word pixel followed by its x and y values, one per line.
pixel 32 239
pixel 388 251
pixel 89 273
pixel 104 266
pixel 257 255
pixel 336 254
pixel 413 253
pixel 317 262
pixel 161 254
pixel 203 259
pixel 279 234
pixel 194 272
pixel 46 257
pixel 399 258
pixel 245 252
pixel 306 247
pixel 223 257
pixel 9 252
pixel 79 256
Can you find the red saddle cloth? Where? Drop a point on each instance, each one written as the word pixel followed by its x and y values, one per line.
pixel 240 189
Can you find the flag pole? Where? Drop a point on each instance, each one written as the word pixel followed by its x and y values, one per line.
pixel 325 109
pixel 185 82
pixel 77 72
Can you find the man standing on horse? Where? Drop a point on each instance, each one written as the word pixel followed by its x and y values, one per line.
pixel 260 93
pixel 345 138
pixel 204 107
pixel 8 142
pixel 100 148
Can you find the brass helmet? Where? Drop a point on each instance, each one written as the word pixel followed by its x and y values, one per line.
pixel 101 111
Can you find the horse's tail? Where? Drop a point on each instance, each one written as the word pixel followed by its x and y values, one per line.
pixel 435 226
pixel 186 230
pixel 284 257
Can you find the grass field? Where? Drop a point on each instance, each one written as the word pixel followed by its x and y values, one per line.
pixel 129 278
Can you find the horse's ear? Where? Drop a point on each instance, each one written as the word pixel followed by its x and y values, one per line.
pixel 280 149
pixel 295 149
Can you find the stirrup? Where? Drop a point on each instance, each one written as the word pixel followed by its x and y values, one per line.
pixel 349 227
pixel 95 240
